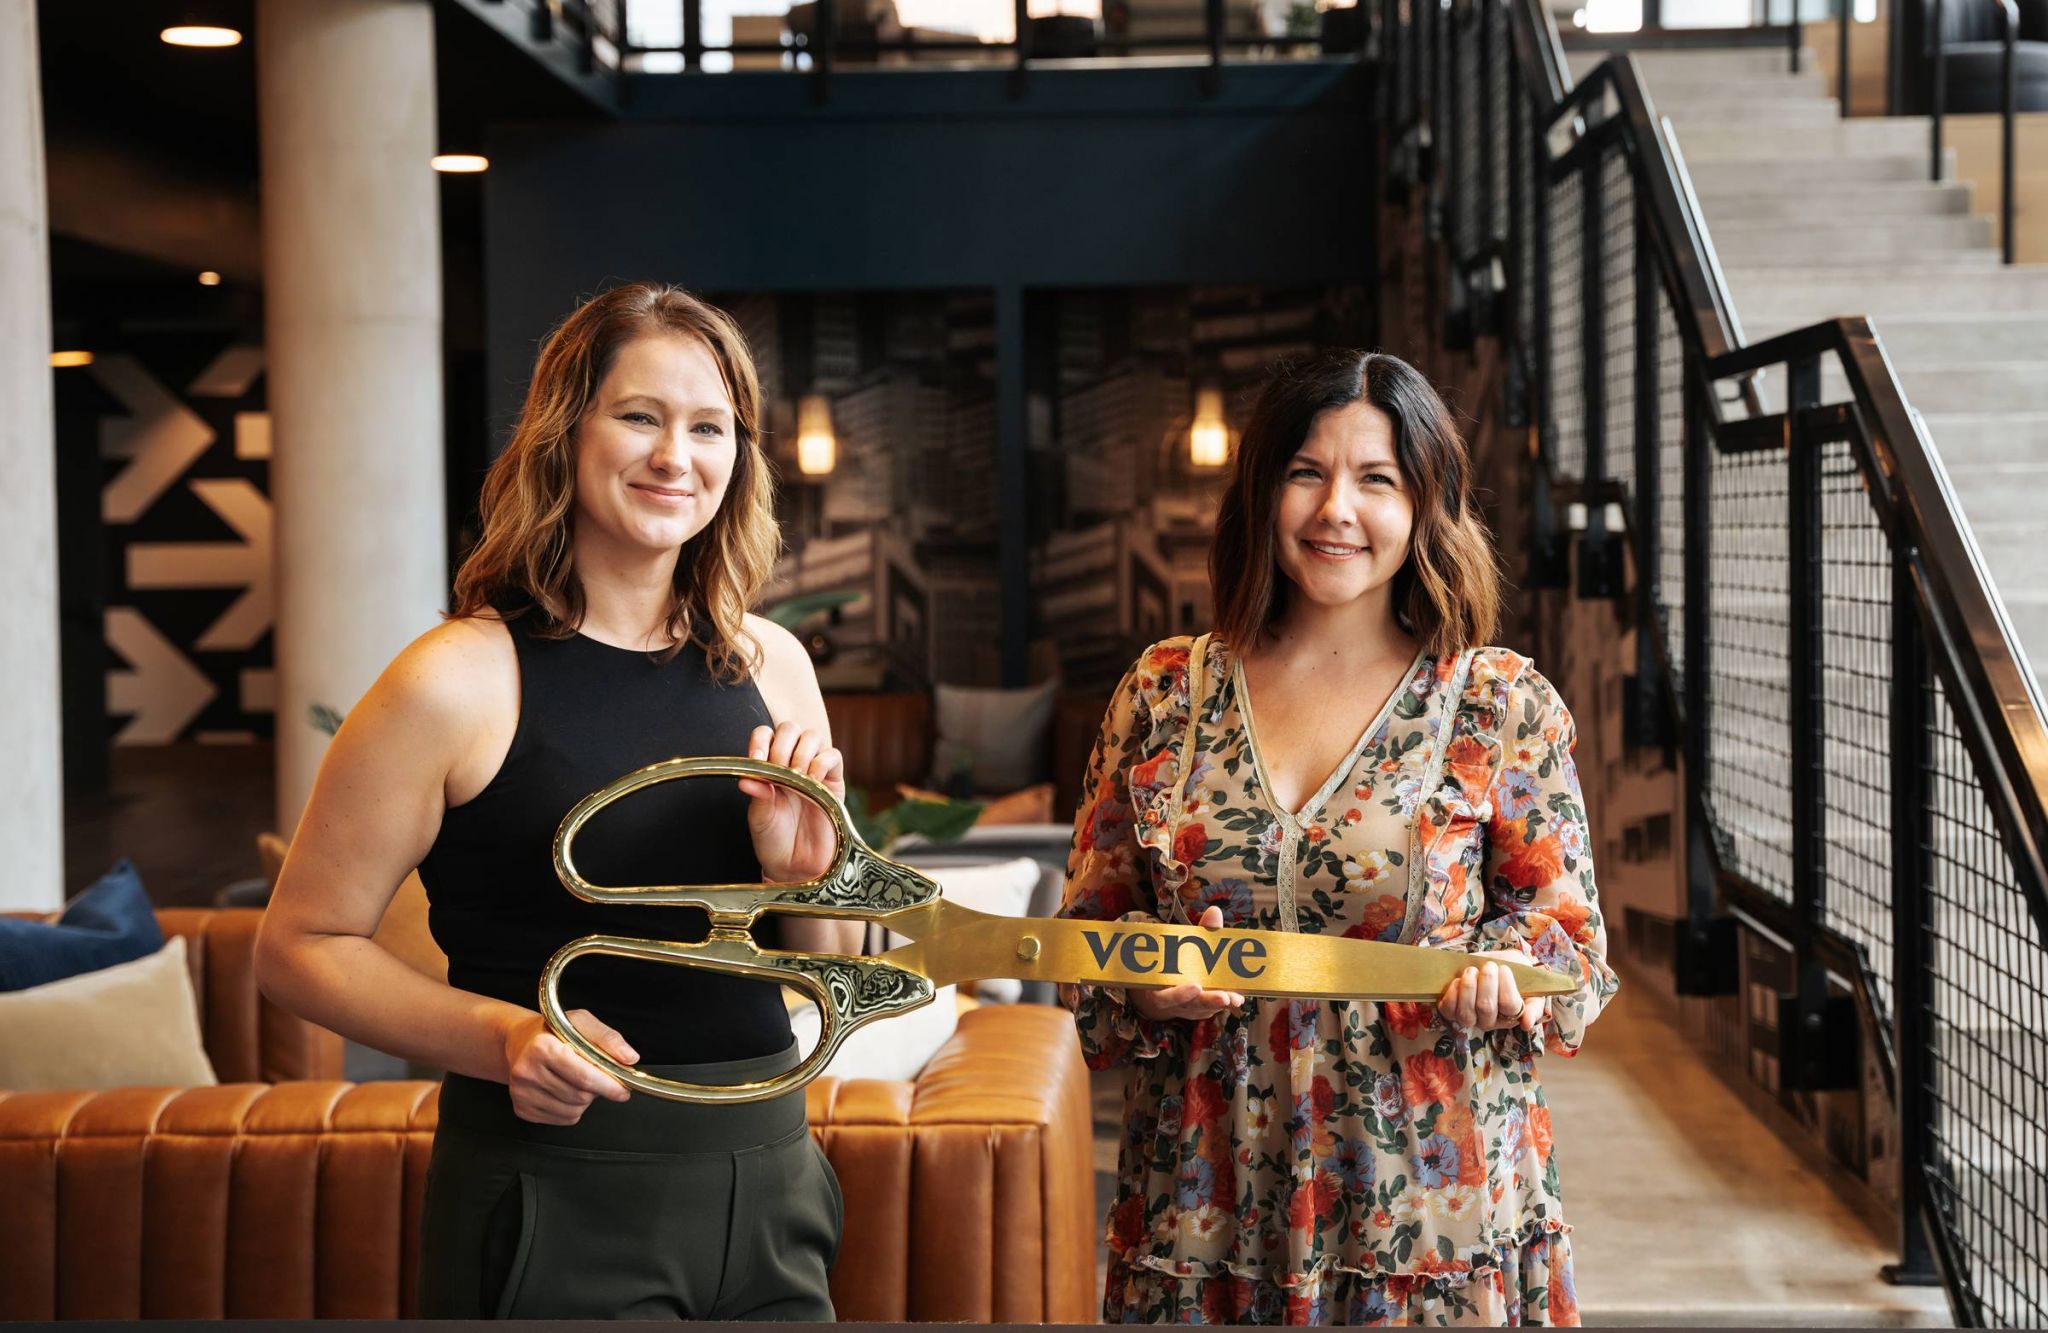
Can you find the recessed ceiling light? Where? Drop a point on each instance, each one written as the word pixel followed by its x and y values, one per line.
pixel 67 359
pixel 461 163
pixel 201 34
pixel 209 279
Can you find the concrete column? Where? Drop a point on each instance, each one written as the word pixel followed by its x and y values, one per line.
pixel 32 778
pixel 352 293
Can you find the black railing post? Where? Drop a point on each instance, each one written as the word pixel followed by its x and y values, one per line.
pixel 1912 818
pixel 1540 268
pixel 1644 722
pixel 1212 34
pixel 1519 411
pixel 1695 966
pixel 1798 37
pixel 1805 1019
pixel 1846 9
pixel 1940 94
pixel 823 30
pixel 1596 560
pixel 693 34
pixel 2008 95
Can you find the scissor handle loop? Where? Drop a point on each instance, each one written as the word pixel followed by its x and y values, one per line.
pixel 860 883
pixel 849 992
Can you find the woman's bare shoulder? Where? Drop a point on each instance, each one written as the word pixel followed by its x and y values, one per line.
pixel 451 674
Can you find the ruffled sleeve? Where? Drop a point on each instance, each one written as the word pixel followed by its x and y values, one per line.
pixel 1540 894
pixel 1108 876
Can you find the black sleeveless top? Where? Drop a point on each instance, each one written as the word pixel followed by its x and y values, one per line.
pixel 588 713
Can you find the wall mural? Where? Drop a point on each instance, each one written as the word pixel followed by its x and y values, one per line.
pixel 903 527
pixel 184 443
pixel 890 556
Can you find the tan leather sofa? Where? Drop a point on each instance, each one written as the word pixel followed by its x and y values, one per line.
pixel 287 1193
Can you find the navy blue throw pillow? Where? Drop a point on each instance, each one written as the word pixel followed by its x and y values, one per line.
pixel 111 922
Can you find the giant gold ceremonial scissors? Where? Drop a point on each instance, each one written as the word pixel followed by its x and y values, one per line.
pixel 950 943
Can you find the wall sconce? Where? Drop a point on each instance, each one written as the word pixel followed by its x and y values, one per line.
pixel 1209 437
pixel 817 451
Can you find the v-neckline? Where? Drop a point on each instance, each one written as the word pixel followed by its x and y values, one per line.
pixel 1321 795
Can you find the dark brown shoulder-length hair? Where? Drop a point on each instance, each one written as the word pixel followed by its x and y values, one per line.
pixel 521 566
pixel 1447 592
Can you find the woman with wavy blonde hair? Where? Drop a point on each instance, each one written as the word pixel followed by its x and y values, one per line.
pixel 599 625
pixel 1353 1163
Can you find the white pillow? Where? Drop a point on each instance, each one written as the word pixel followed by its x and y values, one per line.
pixel 132 1025
pixel 892 1048
pixel 1000 888
pixel 1002 732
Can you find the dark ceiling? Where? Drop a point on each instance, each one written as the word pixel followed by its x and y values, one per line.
pixel 111 83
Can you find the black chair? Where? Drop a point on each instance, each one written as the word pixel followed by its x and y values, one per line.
pixel 1974 56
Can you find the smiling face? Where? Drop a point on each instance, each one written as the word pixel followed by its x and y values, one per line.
pixel 656 450
pixel 1344 514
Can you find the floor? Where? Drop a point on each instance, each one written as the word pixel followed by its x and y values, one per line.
pixel 1686 1209
pixel 187 815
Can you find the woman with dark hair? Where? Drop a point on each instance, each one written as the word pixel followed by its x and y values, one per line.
pixel 1340 1162
pixel 600 625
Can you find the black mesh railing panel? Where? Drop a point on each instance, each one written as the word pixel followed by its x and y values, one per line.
pixel 1987 1014
pixel 1749 748
pixel 1567 320
pixel 1499 51
pixel 1463 30
pixel 1530 196
pixel 1856 645
pixel 1618 315
pixel 1670 516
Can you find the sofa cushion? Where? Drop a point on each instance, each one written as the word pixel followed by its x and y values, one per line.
pixel 133 1024
pixel 998 736
pixel 111 922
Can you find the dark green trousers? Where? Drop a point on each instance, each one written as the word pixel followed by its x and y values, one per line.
pixel 644 1209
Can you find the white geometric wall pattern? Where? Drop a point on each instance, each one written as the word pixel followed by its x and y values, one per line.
pixel 187 520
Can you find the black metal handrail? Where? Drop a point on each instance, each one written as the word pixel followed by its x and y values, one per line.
pixel 1882 831
pixel 2008 95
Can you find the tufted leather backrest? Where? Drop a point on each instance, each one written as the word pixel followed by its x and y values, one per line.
pixel 969 1193
pixel 249 1039
pixel 885 739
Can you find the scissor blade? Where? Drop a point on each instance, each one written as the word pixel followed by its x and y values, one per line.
pixel 960 944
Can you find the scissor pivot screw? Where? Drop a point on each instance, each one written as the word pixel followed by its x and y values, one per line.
pixel 1027 948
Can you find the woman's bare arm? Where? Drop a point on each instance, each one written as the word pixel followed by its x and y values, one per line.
pixel 375 810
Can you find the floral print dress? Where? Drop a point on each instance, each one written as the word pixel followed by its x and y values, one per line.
pixel 1311 1162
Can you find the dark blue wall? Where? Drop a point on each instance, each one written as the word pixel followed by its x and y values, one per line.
pixel 1102 176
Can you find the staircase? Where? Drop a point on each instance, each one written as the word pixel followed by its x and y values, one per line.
pixel 1814 217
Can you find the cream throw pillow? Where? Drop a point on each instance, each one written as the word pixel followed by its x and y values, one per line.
pixel 134 1025
pixel 1000 733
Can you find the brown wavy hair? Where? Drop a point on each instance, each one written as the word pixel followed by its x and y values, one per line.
pixel 1447 592
pixel 521 563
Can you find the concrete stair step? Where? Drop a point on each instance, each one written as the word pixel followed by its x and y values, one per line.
pixel 1754 111
pixel 1965 439
pixel 1773 242
pixel 1875 136
pixel 1876 202
pixel 2002 492
pixel 1965 337
pixel 1789 172
pixel 1696 86
pixel 1989 387
pixel 1702 63
pixel 1767 297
